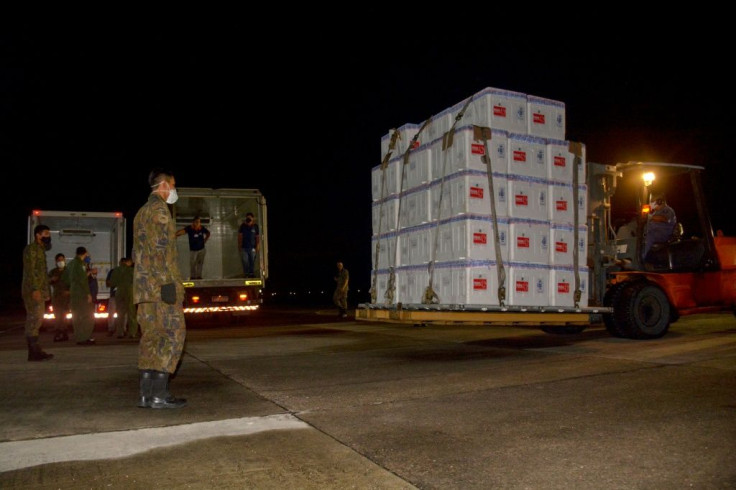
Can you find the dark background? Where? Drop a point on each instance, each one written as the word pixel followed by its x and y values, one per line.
pixel 298 112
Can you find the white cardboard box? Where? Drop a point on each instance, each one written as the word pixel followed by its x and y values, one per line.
pixel 529 241
pixel 498 109
pixel 528 284
pixel 562 240
pixel 404 138
pixel 466 282
pixel 527 155
pixel 562 286
pixel 546 117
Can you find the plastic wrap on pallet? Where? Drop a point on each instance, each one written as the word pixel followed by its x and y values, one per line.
pixel 527 155
pixel 441 123
pixel 412 283
pixel 561 198
pixel 385 215
pixel 466 192
pixel 562 286
pixel 529 241
pixel 528 197
pixel 416 206
pixel 387 253
pixel 405 136
pixel 416 244
pixel 471 237
pixel 498 109
pixel 467 153
pixel 546 117
pixel 381 189
pixel 466 282
pixel 382 277
pixel 528 284
pixel 562 239
pixel 418 169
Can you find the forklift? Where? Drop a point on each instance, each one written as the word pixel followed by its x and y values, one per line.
pixel 690 272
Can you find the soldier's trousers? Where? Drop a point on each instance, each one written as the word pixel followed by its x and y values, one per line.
pixel 34 315
pixel 126 315
pixel 83 319
pixel 163 332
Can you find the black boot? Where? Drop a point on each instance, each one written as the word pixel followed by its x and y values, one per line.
pixel 160 396
pixel 35 353
pixel 146 382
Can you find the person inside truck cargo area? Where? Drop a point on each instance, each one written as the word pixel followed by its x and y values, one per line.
pixel 76 276
pixel 159 293
pixel 198 236
pixel 35 289
pixel 340 297
pixel 660 224
pixel 59 299
pixel 249 241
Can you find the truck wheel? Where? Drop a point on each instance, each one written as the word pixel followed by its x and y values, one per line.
pixel 646 310
pixel 562 329
pixel 615 327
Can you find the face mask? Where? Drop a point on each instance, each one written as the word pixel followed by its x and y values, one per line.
pixel 173 196
pixel 87 260
pixel 61 264
pixel 46 240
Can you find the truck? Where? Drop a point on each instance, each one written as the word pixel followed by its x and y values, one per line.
pixel 223 288
pixel 103 234
pixel 693 271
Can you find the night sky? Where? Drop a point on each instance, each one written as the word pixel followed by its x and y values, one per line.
pixel 299 114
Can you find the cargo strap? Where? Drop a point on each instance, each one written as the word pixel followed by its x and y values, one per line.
pixel 384 165
pixel 484 133
pixel 391 286
pixel 430 296
pixel 577 150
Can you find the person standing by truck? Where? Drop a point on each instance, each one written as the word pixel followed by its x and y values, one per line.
pixel 35 289
pixel 198 236
pixel 159 294
pixel 76 276
pixel 59 298
pixel 122 280
pixel 249 241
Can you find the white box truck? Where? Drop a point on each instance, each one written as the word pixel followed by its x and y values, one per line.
pixel 101 233
pixel 223 287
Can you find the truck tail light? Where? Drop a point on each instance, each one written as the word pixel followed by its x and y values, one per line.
pixel 243 296
pixel 101 308
pixel 195 299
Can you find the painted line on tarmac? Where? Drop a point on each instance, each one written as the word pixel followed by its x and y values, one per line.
pixel 15 455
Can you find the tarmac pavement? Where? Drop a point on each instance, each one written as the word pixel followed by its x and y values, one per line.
pixel 300 399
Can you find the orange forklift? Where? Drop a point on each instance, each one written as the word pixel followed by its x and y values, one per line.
pixel 693 270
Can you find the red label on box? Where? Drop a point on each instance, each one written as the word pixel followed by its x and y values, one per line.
pixel 560 161
pixel 476 192
pixel 561 205
pixel 522 286
pixel 519 156
pixel 480 283
pixel 538 119
pixel 522 242
pixel 563 287
pixel 415 145
pixel 477 149
pixel 479 238
pixel 499 111
pixel 522 200
pixel 561 247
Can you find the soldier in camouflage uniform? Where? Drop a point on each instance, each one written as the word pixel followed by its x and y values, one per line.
pixel 340 296
pixel 159 294
pixel 35 289
pixel 83 308
pixel 122 280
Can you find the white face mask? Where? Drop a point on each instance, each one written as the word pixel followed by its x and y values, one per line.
pixel 173 196
pixel 61 264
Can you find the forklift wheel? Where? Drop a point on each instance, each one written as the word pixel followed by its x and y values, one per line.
pixel 615 327
pixel 645 309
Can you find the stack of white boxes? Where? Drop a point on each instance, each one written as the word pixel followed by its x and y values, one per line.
pixel 436 209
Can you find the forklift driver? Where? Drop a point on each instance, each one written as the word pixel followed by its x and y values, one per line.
pixel 660 224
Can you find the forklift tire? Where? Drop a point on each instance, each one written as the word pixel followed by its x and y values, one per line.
pixel 644 308
pixel 614 326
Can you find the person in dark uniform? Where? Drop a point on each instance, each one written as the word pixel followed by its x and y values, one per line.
pixel 59 298
pixel 159 293
pixel 198 236
pixel 249 241
pixel 76 275
pixel 35 289
pixel 340 297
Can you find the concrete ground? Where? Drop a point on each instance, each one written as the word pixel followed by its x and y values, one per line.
pixel 299 399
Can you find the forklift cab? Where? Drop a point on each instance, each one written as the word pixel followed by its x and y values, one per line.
pixel 690 246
